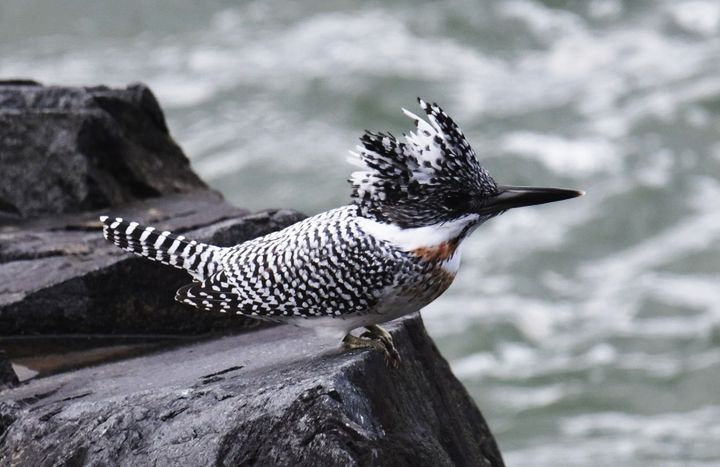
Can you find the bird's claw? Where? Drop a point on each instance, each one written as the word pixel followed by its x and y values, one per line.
pixel 375 338
pixel 392 356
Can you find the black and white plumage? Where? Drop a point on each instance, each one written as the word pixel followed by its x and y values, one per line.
pixel 393 251
pixel 323 266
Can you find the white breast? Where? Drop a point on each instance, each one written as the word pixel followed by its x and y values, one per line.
pixel 416 237
pixel 409 239
pixel 452 265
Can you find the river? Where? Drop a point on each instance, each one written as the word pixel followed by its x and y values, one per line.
pixel 588 331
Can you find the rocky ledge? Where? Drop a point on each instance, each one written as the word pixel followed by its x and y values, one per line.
pixel 271 396
pixel 275 396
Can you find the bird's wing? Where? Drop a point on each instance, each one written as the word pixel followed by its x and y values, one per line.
pixel 321 266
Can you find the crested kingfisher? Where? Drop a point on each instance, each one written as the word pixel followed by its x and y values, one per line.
pixel 395 249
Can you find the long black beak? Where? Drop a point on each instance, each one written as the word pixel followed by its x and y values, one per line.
pixel 509 197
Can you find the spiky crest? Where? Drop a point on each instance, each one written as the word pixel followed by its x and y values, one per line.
pixel 419 181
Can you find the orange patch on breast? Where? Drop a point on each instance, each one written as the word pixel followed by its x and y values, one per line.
pixel 440 252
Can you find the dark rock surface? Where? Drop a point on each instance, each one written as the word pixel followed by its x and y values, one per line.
pixel 7 374
pixel 77 153
pixel 59 275
pixel 77 149
pixel 276 396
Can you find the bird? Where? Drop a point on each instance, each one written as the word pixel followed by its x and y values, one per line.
pixel 395 248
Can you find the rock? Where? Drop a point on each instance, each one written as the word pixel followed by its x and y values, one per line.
pixel 59 275
pixel 276 396
pixel 7 374
pixel 70 154
pixel 78 149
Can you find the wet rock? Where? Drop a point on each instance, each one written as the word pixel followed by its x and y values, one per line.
pixel 7 374
pixel 277 396
pixel 68 155
pixel 60 276
pixel 77 149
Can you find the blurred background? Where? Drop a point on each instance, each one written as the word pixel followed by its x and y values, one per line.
pixel 588 332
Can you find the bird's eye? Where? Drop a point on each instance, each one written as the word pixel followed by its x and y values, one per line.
pixel 455 201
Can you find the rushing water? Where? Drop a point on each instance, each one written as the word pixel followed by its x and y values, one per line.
pixel 587 331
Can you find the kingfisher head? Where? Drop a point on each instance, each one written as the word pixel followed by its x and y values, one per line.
pixel 433 177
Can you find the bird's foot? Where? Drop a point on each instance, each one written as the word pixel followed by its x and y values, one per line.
pixel 392 356
pixel 375 338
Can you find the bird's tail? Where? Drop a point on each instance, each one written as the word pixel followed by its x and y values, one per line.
pixel 199 259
